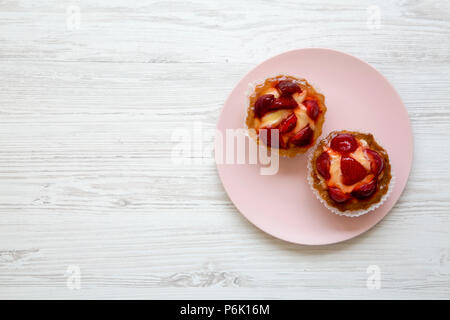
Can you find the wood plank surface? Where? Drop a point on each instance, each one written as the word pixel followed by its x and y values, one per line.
pixel 87 111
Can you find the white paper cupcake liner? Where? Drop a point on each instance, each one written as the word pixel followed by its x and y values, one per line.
pixel 347 213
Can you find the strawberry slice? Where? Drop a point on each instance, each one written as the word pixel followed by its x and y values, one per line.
pixel 288 124
pixel 284 102
pixel 287 87
pixel 303 137
pixel 366 190
pixel 344 143
pixel 323 165
pixel 282 143
pixel 376 163
pixel 312 109
pixel 267 139
pixel 352 170
pixel 263 103
pixel 337 195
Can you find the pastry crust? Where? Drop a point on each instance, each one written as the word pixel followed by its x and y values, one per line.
pixel 251 120
pixel 353 204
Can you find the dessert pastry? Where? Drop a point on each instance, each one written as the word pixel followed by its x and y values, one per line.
pixel 292 107
pixel 350 172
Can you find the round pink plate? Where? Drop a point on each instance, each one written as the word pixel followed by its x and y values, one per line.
pixel 358 98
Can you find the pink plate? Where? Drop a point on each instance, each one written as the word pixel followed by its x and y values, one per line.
pixel 358 98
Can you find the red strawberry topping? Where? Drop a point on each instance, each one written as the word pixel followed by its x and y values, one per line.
pixel 352 170
pixel 337 195
pixel 366 190
pixel 312 109
pixel 344 143
pixel 288 124
pixel 303 137
pixel 267 138
pixel 263 103
pixel 287 87
pixel 376 163
pixel 323 165
pixel 284 102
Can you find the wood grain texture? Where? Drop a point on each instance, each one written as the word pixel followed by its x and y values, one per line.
pixel 86 117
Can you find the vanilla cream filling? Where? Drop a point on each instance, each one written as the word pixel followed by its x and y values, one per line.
pixel 360 155
pixel 273 91
pixel 272 119
pixel 303 119
pixel 299 97
pixel 335 168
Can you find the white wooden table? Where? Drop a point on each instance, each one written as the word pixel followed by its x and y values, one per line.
pixel 90 94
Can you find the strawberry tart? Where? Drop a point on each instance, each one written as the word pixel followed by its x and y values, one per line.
pixel 286 113
pixel 350 172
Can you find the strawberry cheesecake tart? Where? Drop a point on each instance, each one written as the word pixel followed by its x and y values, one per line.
pixel 350 173
pixel 286 113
